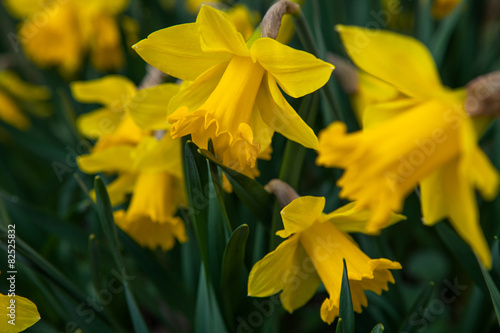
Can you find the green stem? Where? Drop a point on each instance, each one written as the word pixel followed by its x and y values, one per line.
pixel 328 91
pixel 291 165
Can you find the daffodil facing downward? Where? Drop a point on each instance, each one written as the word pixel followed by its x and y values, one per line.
pixel 131 142
pixel 313 253
pixel 234 98
pixel 424 137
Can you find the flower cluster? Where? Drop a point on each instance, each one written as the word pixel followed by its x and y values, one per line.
pixel 232 88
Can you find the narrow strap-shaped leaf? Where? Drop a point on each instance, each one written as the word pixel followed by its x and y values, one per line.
pixel 208 317
pixel 251 193
pixel 494 293
pixel 462 252
pixel 379 328
pixel 108 225
pixel 346 311
pixel 232 267
pixel 419 307
pixel 197 182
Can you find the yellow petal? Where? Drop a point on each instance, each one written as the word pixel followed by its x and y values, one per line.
pixel 26 314
pixel 268 275
pixel 371 91
pixel 165 155
pixel 125 133
pixel 218 34
pixel 149 219
pixel 23 90
pixel 281 117
pixel 447 194
pixel 109 7
pixel 113 159
pixel 484 175
pixel 399 60
pixel 23 8
pixel 350 218
pixel 100 122
pixel 11 114
pixel 300 214
pixel 151 234
pixel 301 283
pixel 326 245
pixel 380 113
pixel 111 91
pixel 147 107
pixel 177 52
pixel 106 51
pixel 57 42
pixel 298 73
pixel 119 188
pixel 192 95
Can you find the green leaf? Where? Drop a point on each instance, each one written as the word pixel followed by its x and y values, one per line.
pixel 346 311
pixel 232 266
pixel 418 309
pixel 172 289
pixel 216 180
pixel 108 225
pixel 441 37
pixel 208 317
pixel 251 193
pixel 106 218
pixel 197 182
pixel 462 252
pixel 379 328
pixel 494 293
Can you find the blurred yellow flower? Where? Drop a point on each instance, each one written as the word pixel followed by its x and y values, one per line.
pixel 234 98
pixel 13 88
pixel 313 253
pixel 25 314
pixel 60 33
pixel 425 137
pixel 148 163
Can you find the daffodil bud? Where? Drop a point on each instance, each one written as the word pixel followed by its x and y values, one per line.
pixel 271 23
pixel 483 95
pixel 345 72
pixel 284 192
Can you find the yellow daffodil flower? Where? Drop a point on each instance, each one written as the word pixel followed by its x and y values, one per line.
pixel 60 33
pixel 313 252
pixel 425 137
pixel 25 314
pixel 148 167
pixel 234 98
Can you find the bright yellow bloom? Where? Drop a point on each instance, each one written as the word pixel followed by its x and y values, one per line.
pixel 148 167
pixel 26 314
pixel 441 8
pixel 425 137
pixel 60 33
pixel 313 253
pixel 234 98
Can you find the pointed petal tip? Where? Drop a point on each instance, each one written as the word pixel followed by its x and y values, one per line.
pixel 338 27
